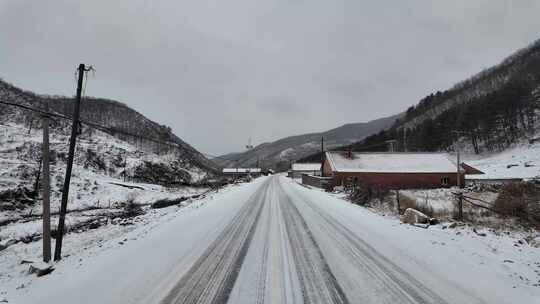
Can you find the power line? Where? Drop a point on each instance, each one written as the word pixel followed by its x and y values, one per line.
pixel 91 124
pixel 114 130
pixel 107 129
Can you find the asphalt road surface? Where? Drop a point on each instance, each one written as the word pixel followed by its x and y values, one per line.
pixel 280 247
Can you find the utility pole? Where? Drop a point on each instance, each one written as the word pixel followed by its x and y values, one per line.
pixel 65 191
pixel 125 165
pixel 458 157
pixel 46 192
pixel 397 201
pixel 391 143
pixel 457 165
pixel 404 139
pixel 322 156
pixel 460 206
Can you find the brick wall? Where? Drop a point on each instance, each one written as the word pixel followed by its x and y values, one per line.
pixel 316 181
pixel 396 180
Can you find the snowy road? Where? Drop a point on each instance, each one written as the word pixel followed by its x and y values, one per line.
pixel 275 241
pixel 272 252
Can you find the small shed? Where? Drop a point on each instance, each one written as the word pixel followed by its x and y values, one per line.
pixel 392 170
pixel 298 169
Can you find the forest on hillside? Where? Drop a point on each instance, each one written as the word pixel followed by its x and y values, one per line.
pixel 502 107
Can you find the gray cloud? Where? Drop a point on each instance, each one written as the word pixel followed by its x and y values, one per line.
pixel 219 72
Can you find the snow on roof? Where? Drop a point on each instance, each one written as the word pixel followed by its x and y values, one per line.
pixel 241 170
pixel 306 167
pixel 391 162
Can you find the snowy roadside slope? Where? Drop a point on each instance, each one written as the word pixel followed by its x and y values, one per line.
pixel 143 268
pixel 467 262
pixel 522 161
pixel 99 163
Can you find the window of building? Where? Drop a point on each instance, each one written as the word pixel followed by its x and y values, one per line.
pixel 445 181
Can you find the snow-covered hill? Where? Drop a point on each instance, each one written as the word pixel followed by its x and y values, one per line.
pixel 110 167
pixel 520 161
pixel 119 120
pixel 280 153
pixel 102 162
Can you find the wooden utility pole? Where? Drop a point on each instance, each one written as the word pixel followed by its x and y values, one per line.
pixel 46 192
pixel 397 201
pixel 391 144
pixel 404 139
pixel 458 160
pixel 322 156
pixel 125 164
pixel 458 173
pixel 69 167
pixel 460 205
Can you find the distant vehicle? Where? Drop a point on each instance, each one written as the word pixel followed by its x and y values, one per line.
pixel 268 172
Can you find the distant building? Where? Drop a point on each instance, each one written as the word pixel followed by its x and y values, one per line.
pixel 393 170
pixel 235 173
pixel 298 169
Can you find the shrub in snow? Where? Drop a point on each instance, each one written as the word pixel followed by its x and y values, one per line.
pixel 163 203
pixel 16 199
pixel 169 174
pixel 132 209
pixel 521 200
pixel 94 160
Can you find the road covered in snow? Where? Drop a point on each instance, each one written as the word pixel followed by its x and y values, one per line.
pixel 275 241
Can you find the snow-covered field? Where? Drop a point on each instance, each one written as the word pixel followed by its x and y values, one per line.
pixel 521 161
pixel 274 241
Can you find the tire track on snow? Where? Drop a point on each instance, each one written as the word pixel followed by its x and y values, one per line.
pixel 212 277
pixel 318 283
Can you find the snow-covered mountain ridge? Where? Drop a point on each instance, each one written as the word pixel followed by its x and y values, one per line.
pixel 104 162
pixel 280 153
pixel 116 116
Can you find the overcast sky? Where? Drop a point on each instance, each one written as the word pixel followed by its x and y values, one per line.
pixel 219 72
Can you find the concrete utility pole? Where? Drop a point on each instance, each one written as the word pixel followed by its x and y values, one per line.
pixel 46 192
pixel 65 191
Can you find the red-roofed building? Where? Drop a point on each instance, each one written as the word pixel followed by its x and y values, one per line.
pixel 393 170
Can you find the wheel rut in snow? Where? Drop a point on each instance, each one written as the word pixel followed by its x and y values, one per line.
pixel 318 283
pixel 383 272
pixel 212 276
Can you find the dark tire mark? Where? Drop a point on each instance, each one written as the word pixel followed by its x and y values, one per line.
pixel 212 277
pixel 318 283
pixel 261 280
pixel 396 281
